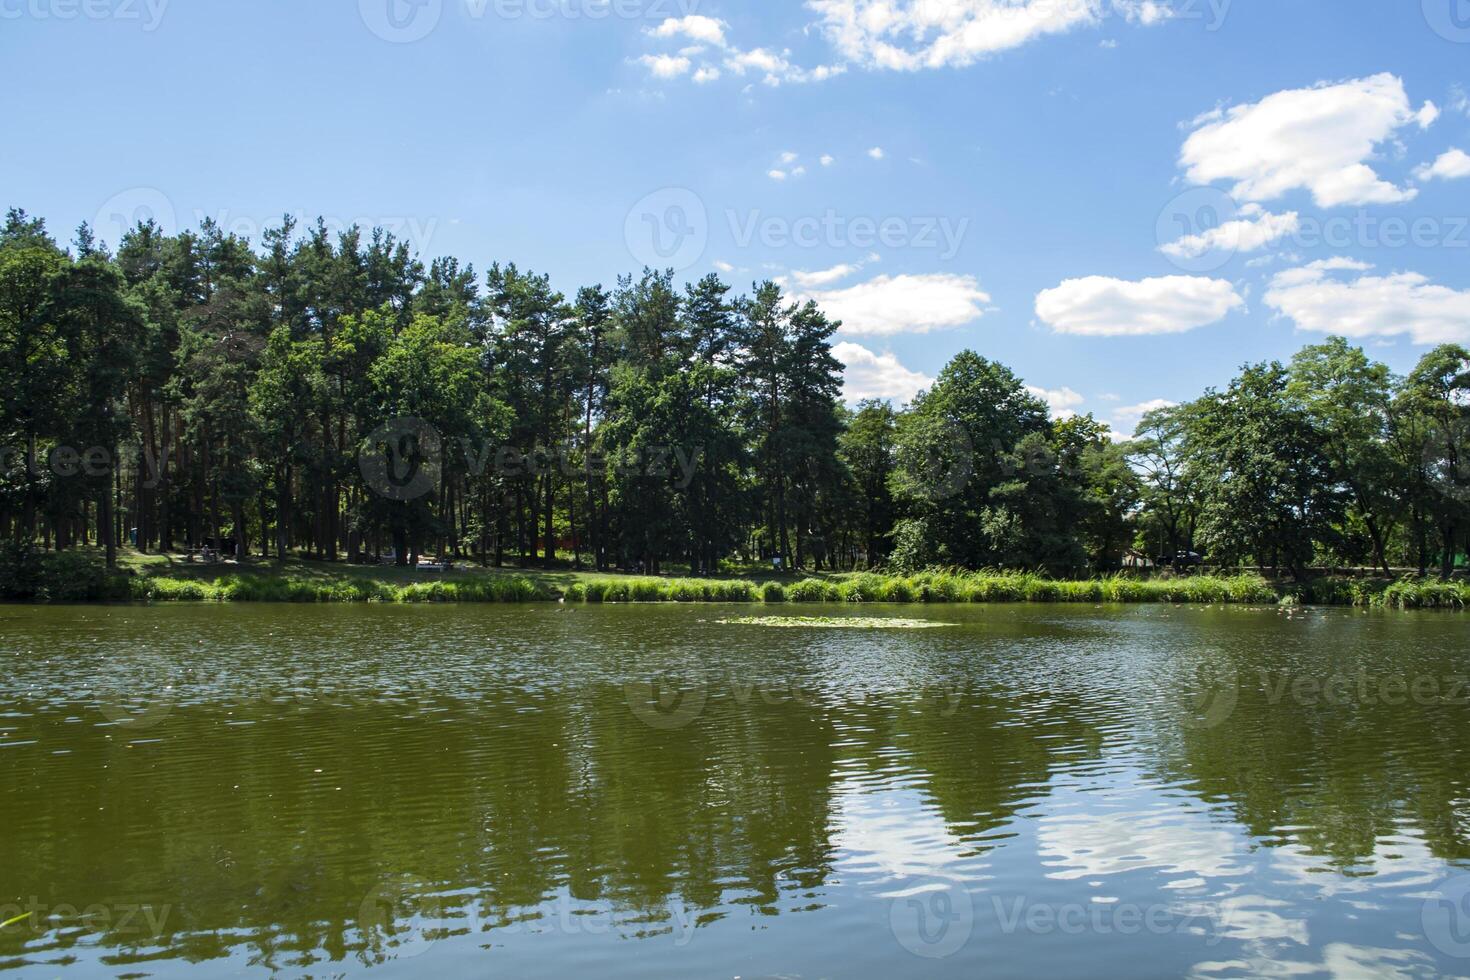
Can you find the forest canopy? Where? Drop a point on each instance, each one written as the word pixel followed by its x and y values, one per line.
pixel 334 397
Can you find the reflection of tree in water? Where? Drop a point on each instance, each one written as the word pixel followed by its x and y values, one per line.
pixel 1336 775
pixel 497 804
pixel 980 756
pixel 505 801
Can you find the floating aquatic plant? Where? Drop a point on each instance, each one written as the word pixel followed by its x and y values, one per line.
pixel 834 622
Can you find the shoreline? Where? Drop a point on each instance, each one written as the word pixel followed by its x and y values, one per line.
pixel 150 579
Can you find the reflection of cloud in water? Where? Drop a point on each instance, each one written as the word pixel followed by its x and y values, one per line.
pixel 1250 919
pixel 893 834
pixel 1399 860
pixel 1341 961
pixel 1164 835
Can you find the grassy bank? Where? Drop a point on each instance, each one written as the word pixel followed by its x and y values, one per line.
pixel 931 587
pixel 78 577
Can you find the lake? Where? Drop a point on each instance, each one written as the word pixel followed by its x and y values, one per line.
pixel 549 791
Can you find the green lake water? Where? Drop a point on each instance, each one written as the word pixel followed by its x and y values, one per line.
pixel 549 791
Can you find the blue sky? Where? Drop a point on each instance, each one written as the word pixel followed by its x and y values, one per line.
pixel 1043 165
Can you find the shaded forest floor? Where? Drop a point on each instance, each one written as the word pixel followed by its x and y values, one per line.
pixel 559 576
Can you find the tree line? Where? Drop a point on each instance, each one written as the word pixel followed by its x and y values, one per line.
pixel 334 397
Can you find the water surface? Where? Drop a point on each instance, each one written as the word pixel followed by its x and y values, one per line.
pixel 646 791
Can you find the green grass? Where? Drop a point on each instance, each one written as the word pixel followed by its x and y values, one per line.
pixel 78 577
pixel 934 587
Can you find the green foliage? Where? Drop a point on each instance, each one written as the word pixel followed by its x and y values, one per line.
pixel 861 588
pixel 234 389
pixel 813 590
pixel 1424 594
pixel 27 575
pixel 157 589
pixel 81 577
pixel 72 576
pixel 1267 483
pixel 20 571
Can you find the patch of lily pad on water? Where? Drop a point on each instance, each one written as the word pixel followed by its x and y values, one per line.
pixel 834 622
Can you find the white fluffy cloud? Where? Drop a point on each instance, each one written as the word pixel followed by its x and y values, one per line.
pixel 828 159
pixel 1357 305
pixel 774 66
pixel 908 35
pixel 871 375
pixel 665 65
pixel 1062 402
pixel 876 153
pixel 758 59
pixel 1125 419
pixel 818 278
pixel 1097 306
pixel 1318 139
pixel 1254 229
pixel 1451 165
pixel 706 30
pixel 888 305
